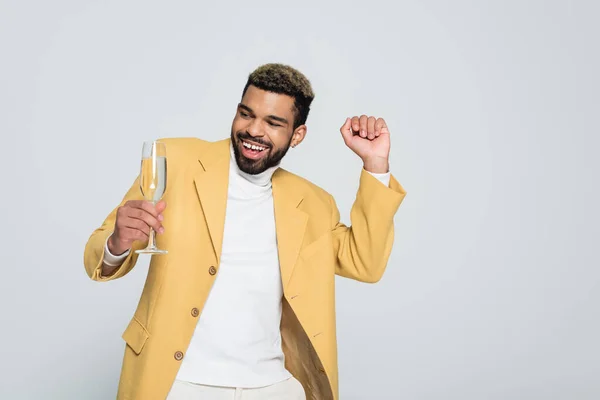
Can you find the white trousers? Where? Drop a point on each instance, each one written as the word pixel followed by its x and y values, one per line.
pixel 289 389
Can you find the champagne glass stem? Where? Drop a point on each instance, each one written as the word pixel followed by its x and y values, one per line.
pixel 151 240
pixel 152 235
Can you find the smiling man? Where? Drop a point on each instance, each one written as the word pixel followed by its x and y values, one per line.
pixel 270 118
pixel 243 305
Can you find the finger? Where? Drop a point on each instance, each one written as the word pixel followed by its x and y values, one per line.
pixel 380 123
pixel 134 234
pixel 134 223
pixel 150 208
pixel 355 125
pixel 146 217
pixel 346 130
pixel 134 203
pixel 363 126
pixel 160 207
pixel 143 205
pixel 371 128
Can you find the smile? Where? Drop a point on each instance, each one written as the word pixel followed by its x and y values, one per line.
pixel 252 146
pixel 253 151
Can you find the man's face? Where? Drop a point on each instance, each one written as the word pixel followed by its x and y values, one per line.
pixel 263 129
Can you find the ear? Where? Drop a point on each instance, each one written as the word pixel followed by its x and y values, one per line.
pixel 298 135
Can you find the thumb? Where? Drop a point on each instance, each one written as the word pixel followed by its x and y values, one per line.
pixel 346 130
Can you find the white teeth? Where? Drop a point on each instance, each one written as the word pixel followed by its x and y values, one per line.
pixel 252 146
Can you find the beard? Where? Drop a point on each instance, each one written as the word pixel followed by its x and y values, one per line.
pixel 254 167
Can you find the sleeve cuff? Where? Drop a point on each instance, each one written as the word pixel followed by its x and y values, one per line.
pixel 112 260
pixel 383 178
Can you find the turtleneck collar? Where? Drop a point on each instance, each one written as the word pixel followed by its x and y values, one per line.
pixel 262 180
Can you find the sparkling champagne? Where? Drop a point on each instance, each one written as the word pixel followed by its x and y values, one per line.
pixel 153 179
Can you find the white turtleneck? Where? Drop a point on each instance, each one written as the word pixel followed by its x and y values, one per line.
pixel 237 342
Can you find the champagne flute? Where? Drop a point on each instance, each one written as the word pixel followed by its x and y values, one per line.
pixel 153 183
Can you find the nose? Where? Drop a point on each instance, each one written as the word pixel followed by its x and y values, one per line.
pixel 254 129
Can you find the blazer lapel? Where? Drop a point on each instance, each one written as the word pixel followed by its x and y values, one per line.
pixel 290 223
pixel 211 180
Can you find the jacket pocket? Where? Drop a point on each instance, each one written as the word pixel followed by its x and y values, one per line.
pixel 135 335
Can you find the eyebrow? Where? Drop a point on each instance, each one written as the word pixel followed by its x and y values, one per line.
pixel 273 117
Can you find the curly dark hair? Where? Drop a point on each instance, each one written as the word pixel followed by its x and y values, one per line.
pixel 283 79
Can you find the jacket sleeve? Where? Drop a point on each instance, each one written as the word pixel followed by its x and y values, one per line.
pixel 93 255
pixel 363 248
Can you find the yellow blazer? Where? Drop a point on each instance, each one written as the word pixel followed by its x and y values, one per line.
pixel 313 247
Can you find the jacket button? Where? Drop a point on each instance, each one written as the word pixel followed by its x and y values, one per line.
pixel 195 312
pixel 212 270
pixel 178 355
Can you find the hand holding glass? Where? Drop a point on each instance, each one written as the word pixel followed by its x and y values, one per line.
pixel 153 183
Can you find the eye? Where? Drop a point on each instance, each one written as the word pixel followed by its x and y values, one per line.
pixel 273 123
pixel 244 114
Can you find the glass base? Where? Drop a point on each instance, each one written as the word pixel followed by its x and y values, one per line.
pixel 151 251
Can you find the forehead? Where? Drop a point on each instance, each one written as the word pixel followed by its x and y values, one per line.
pixel 263 102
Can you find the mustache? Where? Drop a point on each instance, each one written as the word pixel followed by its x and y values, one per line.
pixel 246 136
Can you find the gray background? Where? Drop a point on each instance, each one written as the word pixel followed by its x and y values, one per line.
pixel 492 290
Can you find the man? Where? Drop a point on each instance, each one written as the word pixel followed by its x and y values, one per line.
pixel 242 306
